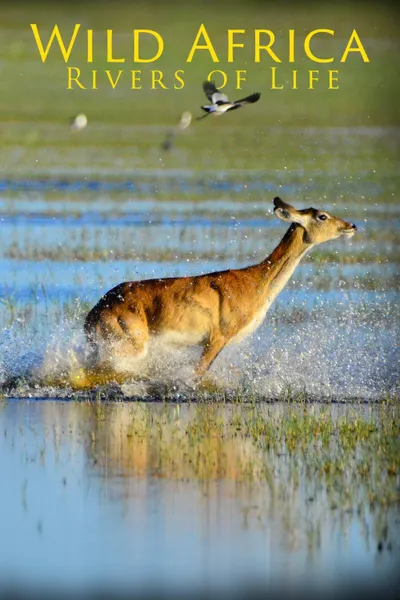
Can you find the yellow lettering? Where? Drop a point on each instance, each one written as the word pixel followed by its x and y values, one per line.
pixel 156 77
pixel 224 78
pixel 359 48
pixel 239 78
pixel 76 78
pixel 110 79
pixel 258 47
pixel 136 38
pixel 307 45
pixel 55 34
pixel 291 45
pixel 273 80
pixel 110 58
pixel 136 79
pixel 90 45
pixel 312 78
pixel 179 78
pixel 232 44
pixel 207 46
pixel 333 79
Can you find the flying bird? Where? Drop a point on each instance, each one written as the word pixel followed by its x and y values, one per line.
pixel 220 103
pixel 79 122
pixel 183 123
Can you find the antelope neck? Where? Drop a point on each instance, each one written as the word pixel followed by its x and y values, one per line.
pixel 276 270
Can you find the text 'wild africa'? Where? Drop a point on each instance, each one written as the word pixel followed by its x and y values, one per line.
pixel 148 46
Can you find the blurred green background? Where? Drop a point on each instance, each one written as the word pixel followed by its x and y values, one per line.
pixel 82 211
pixel 126 127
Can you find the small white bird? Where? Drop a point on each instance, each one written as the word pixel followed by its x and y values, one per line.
pixel 79 122
pixel 220 103
pixel 184 122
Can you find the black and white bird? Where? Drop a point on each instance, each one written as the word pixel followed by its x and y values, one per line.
pixel 220 103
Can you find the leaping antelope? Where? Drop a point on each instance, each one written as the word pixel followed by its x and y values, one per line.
pixel 210 310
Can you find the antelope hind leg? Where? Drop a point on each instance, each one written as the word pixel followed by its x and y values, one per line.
pixel 123 342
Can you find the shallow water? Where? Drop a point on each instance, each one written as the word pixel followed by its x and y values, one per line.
pixel 154 496
pixel 218 485
pixel 332 333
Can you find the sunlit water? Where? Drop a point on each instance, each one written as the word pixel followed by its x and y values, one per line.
pixel 96 497
pixel 84 501
pixel 331 334
pixel 92 494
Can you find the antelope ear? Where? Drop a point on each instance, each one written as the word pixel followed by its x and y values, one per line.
pixel 287 212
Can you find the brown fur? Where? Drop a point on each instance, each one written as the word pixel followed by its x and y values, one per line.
pixel 208 310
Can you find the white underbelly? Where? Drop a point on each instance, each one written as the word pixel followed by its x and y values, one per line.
pixel 220 110
pixel 180 338
pixel 252 325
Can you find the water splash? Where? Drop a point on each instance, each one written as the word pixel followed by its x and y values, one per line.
pixel 325 355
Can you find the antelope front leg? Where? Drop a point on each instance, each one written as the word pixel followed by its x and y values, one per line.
pixel 210 353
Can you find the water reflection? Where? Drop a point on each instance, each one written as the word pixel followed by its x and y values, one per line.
pixel 135 495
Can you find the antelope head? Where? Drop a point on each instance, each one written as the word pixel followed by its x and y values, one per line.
pixel 319 225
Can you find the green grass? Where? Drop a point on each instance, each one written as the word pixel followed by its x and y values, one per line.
pixel 127 127
pixel 366 90
pixel 316 148
pixel 305 466
pixel 352 455
pixel 102 254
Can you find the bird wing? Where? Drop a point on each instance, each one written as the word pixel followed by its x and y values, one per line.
pixel 248 100
pixel 219 98
pixel 212 93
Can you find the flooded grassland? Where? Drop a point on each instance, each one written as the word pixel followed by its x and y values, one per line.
pixel 208 487
pixel 283 466
pixel 332 333
pixel 176 498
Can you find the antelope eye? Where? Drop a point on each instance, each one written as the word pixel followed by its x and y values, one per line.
pixel 322 217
